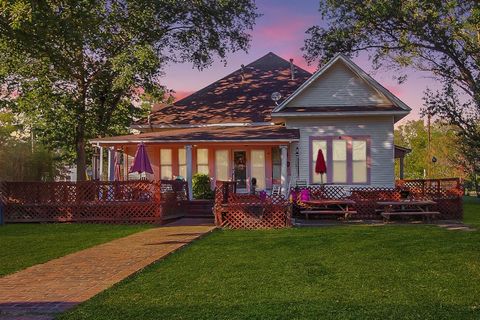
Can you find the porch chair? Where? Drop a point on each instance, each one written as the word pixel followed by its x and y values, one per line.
pixel 301 183
pixel 276 190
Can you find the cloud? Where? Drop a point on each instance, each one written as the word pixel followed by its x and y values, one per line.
pixel 282 30
pixel 180 94
pixel 299 60
pixel 396 90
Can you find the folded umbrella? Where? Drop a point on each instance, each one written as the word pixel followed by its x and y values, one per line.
pixel 320 164
pixel 141 163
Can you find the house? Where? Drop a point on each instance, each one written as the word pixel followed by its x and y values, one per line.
pixel 267 120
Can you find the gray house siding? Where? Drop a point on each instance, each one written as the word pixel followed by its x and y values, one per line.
pixel 379 129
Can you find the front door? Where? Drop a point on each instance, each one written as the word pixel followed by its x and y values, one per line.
pixel 240 169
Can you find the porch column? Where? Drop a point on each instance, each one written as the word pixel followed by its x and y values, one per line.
pixel 188 154
pixel 111 164
pixel 401 167
pixel 100 165
pixel 283 171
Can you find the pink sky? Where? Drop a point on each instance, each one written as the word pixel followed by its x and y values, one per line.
pixel 281 30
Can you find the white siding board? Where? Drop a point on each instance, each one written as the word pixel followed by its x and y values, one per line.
pixel 380 130
pixel 338 86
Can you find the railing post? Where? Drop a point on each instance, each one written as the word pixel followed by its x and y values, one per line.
pixel 3 200
pixel 189 160
pixel 111 164
pixel 283 172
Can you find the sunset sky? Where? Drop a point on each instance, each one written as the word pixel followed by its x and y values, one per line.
pixel 281 30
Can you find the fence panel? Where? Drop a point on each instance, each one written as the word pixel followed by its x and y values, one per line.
pixel 92 201
pixel 447 193
pixel 244 211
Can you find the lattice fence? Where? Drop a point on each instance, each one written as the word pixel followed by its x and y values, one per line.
pixel 91 201
pixel 447 193
pixel 242 211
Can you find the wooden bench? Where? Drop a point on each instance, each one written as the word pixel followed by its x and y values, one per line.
pixel 404 208
pixel 345 214
pixel 337 207
pixel 424 214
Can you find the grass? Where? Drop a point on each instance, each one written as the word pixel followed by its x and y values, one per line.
pixel 24 245
pixel 471 211
pixel 351 272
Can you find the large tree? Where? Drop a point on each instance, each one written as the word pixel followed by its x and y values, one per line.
pixel 441 37
pixel 444 146
pixel 77 64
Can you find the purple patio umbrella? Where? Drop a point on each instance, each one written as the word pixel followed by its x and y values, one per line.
pixel 141 163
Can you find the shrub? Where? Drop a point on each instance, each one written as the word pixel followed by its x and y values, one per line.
pixel 18 162
pixel 201 187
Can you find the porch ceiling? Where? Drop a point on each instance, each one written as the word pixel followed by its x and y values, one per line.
pixel 272 133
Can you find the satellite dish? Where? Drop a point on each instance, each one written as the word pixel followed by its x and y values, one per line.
pixel 276 96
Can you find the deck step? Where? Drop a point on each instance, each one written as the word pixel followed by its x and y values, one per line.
pixel 328 212
pixel 199 209
pixel 410 213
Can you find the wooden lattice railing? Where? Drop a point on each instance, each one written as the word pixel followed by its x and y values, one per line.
pixel 92 201
pixel 239 211
pixel 244 211
pixel 447 193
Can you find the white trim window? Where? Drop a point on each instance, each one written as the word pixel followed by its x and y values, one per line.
pixel 182 163
pixel 347 159
pixel 359 161
pixel 339 161
pixel 166 172
pixel 258 168
pixel 221 165
pixel 202 161
pixel 316 145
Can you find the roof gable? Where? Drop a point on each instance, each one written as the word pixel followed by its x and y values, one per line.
pixel 242 96
pixel 341 84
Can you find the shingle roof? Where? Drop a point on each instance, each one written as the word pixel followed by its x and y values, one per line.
pixel 235 98
pixel 206 134
pixel 343 108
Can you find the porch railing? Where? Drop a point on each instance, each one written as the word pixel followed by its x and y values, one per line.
pixel 447 193
pixel 92 201
pixel 245 211
pixel 239 211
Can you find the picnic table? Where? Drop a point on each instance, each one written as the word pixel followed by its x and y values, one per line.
pixel 340 207
pixel 408 208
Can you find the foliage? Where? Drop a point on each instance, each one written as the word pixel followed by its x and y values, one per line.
pixel 350 272
pixel 7 126
pixel 201 186
pixel 444 146
pixel 441 37
pixel 19 162
pixel 469 160
pixel 76 65
pixel 24 245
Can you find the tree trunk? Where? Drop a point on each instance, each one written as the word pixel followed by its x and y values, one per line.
pixel 81 160
pixel 477 189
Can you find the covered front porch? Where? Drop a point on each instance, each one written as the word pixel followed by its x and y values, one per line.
pixel 255 157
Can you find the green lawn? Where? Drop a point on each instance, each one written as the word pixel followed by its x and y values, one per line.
pixel 351 272
pixel 471 208
pixel 23 245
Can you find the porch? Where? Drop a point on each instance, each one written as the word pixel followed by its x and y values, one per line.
pixel 161 201
pixel 242 154
pixel 233 210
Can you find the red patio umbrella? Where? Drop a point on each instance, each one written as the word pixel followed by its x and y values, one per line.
pixel 141 163
pixel 320 165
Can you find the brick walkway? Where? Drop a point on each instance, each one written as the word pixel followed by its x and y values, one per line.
pixel 42 290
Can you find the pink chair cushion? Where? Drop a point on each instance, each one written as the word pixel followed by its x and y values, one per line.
pixel 304 195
